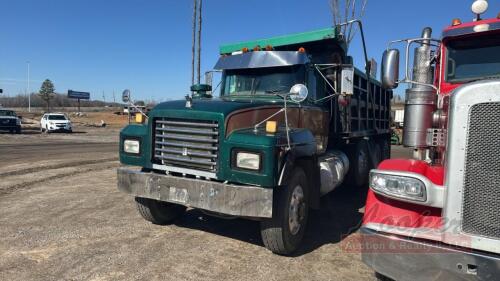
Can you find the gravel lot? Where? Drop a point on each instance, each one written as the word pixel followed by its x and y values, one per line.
pixel 62 218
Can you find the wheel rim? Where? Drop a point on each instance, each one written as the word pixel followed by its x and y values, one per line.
pixel 296 212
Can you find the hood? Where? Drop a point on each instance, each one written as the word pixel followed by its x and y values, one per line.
pixel 216 105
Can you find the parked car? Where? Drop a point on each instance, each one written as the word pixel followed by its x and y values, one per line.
pixel 9 121
pixel 52 122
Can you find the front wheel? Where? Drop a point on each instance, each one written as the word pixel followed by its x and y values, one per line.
pixel 283 233
pixel 158 212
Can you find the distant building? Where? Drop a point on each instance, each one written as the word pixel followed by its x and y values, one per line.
pixel 398 114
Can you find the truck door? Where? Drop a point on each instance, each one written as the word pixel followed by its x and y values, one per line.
pixel 315 116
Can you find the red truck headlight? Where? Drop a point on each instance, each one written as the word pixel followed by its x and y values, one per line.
pixel 406 186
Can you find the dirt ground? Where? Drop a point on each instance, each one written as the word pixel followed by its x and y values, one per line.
pixel 62 218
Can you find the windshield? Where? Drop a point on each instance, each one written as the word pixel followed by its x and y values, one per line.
pixel 7 113
pixel 262 81
pixel 57 117
pixel 473 59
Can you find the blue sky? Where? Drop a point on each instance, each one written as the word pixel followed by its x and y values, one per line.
pixel 96 46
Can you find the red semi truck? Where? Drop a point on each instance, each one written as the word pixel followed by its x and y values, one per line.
pixel 437 216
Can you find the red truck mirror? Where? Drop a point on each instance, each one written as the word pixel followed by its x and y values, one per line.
pixel 390 69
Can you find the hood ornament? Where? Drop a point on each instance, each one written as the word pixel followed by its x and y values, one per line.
pixel 189 101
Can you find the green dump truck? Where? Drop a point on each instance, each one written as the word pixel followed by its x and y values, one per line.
pixel 294 120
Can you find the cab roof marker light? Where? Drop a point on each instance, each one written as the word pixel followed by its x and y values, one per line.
pixel 456 22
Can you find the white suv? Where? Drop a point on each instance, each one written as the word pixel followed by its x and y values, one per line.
pixel 52 122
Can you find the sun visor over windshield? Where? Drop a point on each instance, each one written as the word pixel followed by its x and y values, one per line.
pixel 258 59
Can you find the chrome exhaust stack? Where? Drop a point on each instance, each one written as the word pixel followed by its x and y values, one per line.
pixel 421 98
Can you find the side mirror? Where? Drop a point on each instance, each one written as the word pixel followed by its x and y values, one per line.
pixel 390 69
pixel 299 93
pixel 209 76
pixel 126 96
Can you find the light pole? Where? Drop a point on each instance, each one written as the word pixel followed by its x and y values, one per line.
pixel 29 94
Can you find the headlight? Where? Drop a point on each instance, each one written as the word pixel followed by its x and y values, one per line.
pixel 51 123
pixel 248 160
pixel 402 187
pixel 18 122
pixel 131 146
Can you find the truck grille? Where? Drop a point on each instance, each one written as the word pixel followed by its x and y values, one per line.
pixel 191 144
pixel 481 200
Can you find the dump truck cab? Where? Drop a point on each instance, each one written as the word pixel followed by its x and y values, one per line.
pixel 294 120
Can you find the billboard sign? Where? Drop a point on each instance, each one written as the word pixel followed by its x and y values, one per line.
pixel 78 95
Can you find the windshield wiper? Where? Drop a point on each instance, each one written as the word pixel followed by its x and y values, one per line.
pixel 279 90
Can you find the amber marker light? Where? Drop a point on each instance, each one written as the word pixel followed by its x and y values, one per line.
pixel 256 48
pixel 271 126
pixel 244 50
pixel 270 48
pixel 302 50
pixel 456 22
pixel 139 118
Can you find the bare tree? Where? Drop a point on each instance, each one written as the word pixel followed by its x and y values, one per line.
pixel 343 11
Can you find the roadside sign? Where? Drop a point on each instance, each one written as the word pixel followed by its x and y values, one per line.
pixel 78 95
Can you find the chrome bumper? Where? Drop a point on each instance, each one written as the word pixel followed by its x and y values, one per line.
pixel 236 200
pixel 401 258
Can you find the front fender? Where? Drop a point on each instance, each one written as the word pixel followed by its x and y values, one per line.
pixel 302 154
pixel 138 132
pixel 391 214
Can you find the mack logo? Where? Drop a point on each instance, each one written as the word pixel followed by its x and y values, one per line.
pixel 185 151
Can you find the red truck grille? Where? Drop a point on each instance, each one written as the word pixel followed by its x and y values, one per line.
pixel 481 197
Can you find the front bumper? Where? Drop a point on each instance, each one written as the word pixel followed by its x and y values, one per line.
pixel 235 200
pixel 401 258
pixel 54 128
pixel 9 127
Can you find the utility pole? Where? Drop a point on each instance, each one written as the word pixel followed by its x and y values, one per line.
pixel 199 42
pixel 103 97
pixel 114 99
pixel 193 49
pixel 28 88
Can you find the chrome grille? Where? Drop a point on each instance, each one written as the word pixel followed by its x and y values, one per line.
pixel 481 197
pixel 191 144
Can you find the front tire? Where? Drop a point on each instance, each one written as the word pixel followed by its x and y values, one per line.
pixel 158 212
pixel 283 233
